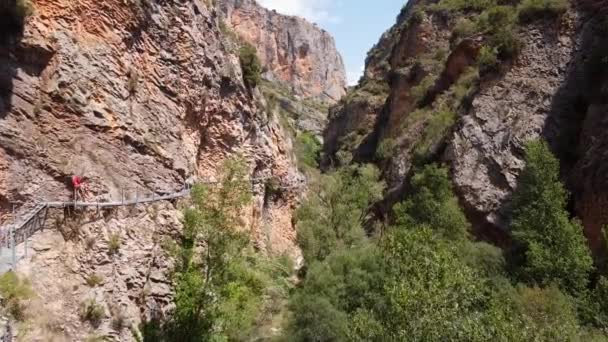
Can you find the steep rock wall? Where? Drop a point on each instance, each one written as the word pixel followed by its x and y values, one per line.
pixel 139 96
pixel 293 51
pixel 544 92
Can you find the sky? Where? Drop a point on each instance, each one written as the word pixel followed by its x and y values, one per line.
pixel 356 25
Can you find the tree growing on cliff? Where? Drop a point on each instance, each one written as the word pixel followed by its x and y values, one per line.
pixel 221 285
pixel 554 249
pixel 250 64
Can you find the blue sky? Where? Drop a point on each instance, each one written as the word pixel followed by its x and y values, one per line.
pixel 355 24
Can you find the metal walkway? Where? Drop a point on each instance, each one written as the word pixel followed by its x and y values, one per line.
pixel 13 235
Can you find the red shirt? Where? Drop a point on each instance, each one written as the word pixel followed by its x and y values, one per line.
pixel 76 182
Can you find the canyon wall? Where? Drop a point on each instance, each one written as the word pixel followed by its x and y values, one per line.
pixel 294 52
pixel 140 97
pixel 424 97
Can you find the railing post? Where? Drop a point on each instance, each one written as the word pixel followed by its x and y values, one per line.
pixel 13 247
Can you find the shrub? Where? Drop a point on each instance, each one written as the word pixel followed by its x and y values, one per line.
pixel 419 91
pixel 307 150
pixel 114 243
pixel 435 130
pixel 272 187
pixel 334 213
pixel 95 338
pixel 386 148
pixel 465 27
pixel 432 203
pixel 487 59
pixel 465 86
pixel 497 18
pixel 462 5
pixel 23 8
pixel 14 291
pixel 499 23
pixel 250 64
pixel 506 42
pixel 92 312
pixel 530 10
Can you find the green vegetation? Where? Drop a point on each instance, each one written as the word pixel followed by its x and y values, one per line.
pixel 307 148
pixel 423 279
pixel 386 148
pixel 225 290
pixel 438 124
pixel 554 250
pixel 23 8
pixel 419 91
pixel 462 5
pixel 487 59
pixel 433 204
pixel 333 215
pixel 530 10
pixel 370 90
pixel 92 312
pixel 418 277
pixel 15 292
pixel 250 65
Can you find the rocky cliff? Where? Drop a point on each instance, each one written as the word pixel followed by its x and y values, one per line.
pixel 138 96
pixel 294 52
pixel 469 86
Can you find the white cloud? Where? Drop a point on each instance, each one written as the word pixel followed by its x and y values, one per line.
pixel 314 10
pixel 353 76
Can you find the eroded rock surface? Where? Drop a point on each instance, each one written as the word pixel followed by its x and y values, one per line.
pixel 550 90
pixel 293 51
pixel 138 96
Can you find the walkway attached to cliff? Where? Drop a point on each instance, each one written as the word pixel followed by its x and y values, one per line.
pixel 14 235
pixel 18 233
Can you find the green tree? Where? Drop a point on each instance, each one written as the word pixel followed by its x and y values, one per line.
pixel 554 248
pixel 432 294
pixel 307 148
pixel 222 287
pixel 326 305
pixel 532 314
pixel 338 204
pixel 432 203
pixel 250 64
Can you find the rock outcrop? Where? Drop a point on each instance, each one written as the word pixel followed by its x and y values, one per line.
pixel 423 98
pixel 138 96
pixel 294 52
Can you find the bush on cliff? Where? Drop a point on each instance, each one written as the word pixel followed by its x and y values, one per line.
pixel 530 10
pixel 250 64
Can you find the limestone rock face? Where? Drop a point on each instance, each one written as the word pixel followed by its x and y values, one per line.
pixel 486 150
pixel 551 91
pixel 138 96
pixel 293 51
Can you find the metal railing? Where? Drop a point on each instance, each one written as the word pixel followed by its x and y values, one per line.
pixel 18 233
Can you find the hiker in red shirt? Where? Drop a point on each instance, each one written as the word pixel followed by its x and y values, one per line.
pixel 80 188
